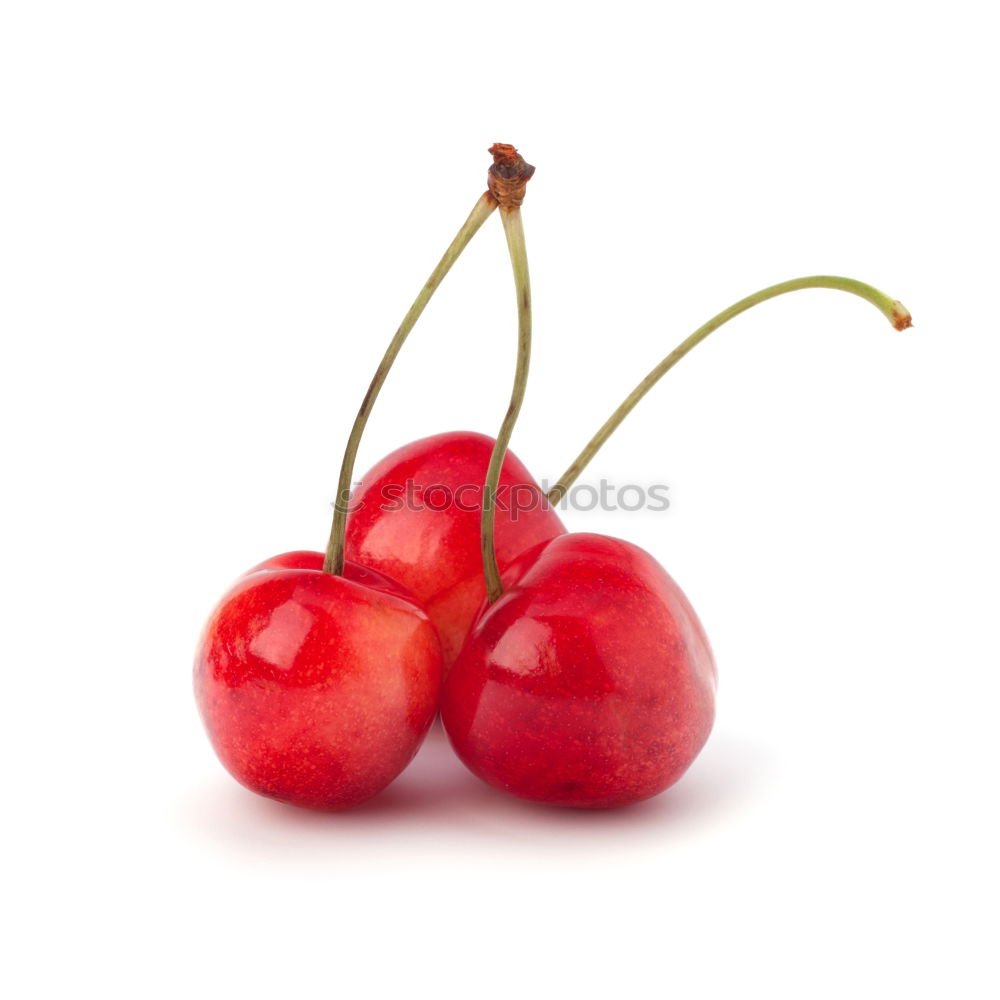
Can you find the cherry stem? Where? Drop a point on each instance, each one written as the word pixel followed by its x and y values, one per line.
pixel 334 560
pixel 894 311
pixel 514 231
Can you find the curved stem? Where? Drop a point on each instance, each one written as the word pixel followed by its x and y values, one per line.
pixel 514 231
pixel 334 560
pixel 894 311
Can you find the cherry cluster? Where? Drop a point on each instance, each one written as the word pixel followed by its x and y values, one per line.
pixel 568 668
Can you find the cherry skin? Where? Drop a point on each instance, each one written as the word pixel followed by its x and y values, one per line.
pixel 307 559
pixel 315 689
pixel 588 683
pixel 416 518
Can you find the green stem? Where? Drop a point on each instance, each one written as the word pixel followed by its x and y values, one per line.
pixel 894 311
pixel 514 231
pixel 334 561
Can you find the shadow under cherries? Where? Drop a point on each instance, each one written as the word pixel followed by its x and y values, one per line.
pixel 437 806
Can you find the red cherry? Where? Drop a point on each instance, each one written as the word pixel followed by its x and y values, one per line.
pixel 589 683
pixel 416 518
pixel 317 689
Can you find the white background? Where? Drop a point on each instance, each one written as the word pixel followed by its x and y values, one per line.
pixel 214 216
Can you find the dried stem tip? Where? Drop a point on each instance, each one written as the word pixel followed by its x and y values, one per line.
pixel 508 176
pixel 901 318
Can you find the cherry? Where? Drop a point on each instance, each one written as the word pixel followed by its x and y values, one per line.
pixel 416 517
pixel 589 682
pixel 317 689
